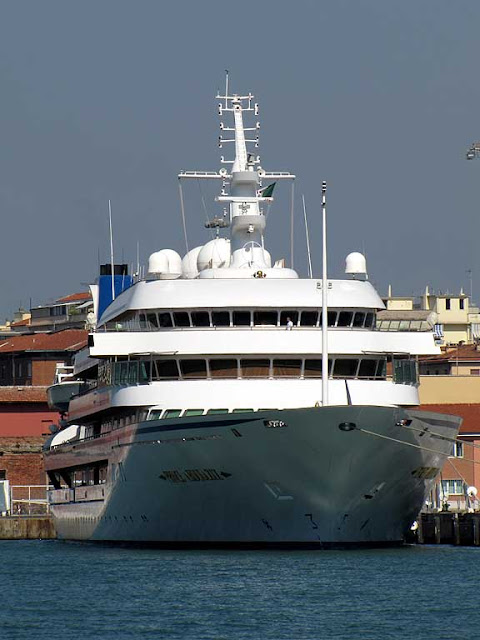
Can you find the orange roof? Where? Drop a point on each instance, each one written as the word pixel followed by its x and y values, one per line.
pixel 67 340
pixel 75 297
pixel 23 394
pixel 469 412
pixel 452 354
pixel 21 323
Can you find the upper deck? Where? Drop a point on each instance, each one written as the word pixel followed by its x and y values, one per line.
pixel 253 293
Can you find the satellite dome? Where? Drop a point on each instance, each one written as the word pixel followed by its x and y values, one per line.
pixel 214 255
pixel 355 264
pixel 166 264
pixel 189 263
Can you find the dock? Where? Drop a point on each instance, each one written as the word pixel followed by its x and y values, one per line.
pixel 461 529
pixel 37 527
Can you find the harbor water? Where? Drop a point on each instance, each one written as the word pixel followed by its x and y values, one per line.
pixel 54 589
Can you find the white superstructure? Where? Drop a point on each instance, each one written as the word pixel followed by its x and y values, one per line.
pixel 226 343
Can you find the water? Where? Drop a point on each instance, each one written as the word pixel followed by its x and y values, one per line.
pixel 54 589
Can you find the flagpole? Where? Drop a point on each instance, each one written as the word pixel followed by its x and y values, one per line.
pixel 324 299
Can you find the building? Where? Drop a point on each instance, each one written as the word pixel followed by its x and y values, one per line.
pixel 24 423
pixel 30 360
pixel 27 367
pixel 450 383
pixel 454 319
pixel 69 312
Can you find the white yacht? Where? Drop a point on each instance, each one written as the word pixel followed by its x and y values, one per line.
pixel 229 402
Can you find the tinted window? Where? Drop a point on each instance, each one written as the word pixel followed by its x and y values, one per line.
pixel 221 318
pixel 358 319
pixel 165 320
pixel 181 319
pixel 344 319
pixel 308 318
pixel 193 412
pixel 313 368
pixel 265 317
pixel 241 318
pixel 200 319
pixel 381 369
pixel 193 368
pixel 172 413
pixel 152 319
pixel 165 370
pixel 287 368
pixel 216 411
pixel 225 368
pixel 255 368
pixel 367 368
pixel 345 368
pixel 332 318
pixel 370 320
pixel 284 315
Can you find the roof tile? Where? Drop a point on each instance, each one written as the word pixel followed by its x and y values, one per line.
pixel 67 340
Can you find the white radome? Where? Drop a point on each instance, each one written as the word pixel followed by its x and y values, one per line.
pixel 166 263
pixel 356 264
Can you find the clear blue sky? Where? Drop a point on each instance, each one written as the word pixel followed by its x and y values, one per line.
pixel 110 99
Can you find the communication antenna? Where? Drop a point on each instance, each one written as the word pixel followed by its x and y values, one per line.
pixel 308 239
pixel 111 247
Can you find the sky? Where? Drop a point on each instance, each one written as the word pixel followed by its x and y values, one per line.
pixel 110 99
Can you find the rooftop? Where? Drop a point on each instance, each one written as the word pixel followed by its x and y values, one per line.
pixel 75 297
pixel 469 412
pixel 464 352
pixel 67 340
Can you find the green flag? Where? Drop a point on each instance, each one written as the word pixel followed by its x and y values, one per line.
pixel 267 192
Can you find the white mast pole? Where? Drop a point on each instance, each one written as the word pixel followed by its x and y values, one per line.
pixel 111 247
pixel 292 205
pixel 308 239
pixel 324 299
pixel 226 88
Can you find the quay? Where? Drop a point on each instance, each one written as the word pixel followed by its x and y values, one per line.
pixel 461 529
pixel 38 527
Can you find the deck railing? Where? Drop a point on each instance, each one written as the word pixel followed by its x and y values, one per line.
pixel 29 499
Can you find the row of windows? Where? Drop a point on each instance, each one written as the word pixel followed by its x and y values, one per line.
pixel 134 417
pixel 153 320
pixel 79 477
pixel 138 372
pixel 403 325
pixel 164 414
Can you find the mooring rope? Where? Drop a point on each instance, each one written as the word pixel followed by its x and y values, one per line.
pixel 409 444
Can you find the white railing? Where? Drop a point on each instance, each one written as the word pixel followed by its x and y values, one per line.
pixel 29 499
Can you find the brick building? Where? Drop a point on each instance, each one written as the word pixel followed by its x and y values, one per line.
pixel 29 360
pixel 450 383
pixel 27 367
